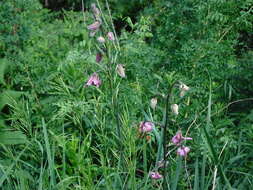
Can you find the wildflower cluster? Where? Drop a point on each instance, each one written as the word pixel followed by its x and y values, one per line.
pixel 177 140
pixel 95 28
pixel 104 40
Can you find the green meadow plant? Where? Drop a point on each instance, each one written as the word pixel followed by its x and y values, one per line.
pixel 88 105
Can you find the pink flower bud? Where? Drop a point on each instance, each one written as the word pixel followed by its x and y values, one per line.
pixel 94 80
pixel 110 36
pixel 121 70
pixel 155 175
pixel 146 126
pixel 99 57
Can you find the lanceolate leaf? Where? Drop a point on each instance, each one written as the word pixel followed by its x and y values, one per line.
pixel 12 137
pixel 8 96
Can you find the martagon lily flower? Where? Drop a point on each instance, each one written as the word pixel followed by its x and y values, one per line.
pixel 155 175
pixel 183 151
pixel 178 138
pixel 94 26
pixel 94 80
pixel 146 126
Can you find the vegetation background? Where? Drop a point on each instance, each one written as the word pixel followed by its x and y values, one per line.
pixel 57 134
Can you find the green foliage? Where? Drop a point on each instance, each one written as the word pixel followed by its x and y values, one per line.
pixel 57 133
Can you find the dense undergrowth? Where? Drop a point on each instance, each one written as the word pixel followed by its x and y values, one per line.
pixel 59 132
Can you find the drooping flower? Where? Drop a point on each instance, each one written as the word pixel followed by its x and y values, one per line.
pixel 183 151
pixel 94 80
pixel 153 103
pixel 178 138
pixel 95 11
pixel 155 175
pixel 174 109
pixel 110 36
pixel 101 39
pixel 99 57
pixel 183 89
pixel 146 126
pixel 94 26
pixel 121 70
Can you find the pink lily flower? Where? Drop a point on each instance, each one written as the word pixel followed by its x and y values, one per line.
pixel 155 175
pixel 178 138
pixel 94 26
pixel 94 80
pixel 146 126
pixel 183 151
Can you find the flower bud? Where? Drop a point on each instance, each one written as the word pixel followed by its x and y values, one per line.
pixel 153 103
pixel 148 137
pixel 183 89
pixel 174 109
pixel 99 57
pixel 95 10
pixel 110 36
pixel 121 70
pixel 101 39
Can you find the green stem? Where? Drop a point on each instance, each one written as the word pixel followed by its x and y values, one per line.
pixel 145 158
pixel 165 135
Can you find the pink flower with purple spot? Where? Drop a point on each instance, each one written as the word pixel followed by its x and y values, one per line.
pixel 178 138
pixel 183 151
pixel 155 175
pixel 94 80
pixel 146 126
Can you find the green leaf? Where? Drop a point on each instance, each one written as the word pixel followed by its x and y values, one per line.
pixel 3 65
pixel 178 171
pixel 196 178
pixel 12 137
pixel 8 96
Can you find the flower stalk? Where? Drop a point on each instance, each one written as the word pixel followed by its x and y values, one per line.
pixel 165 134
